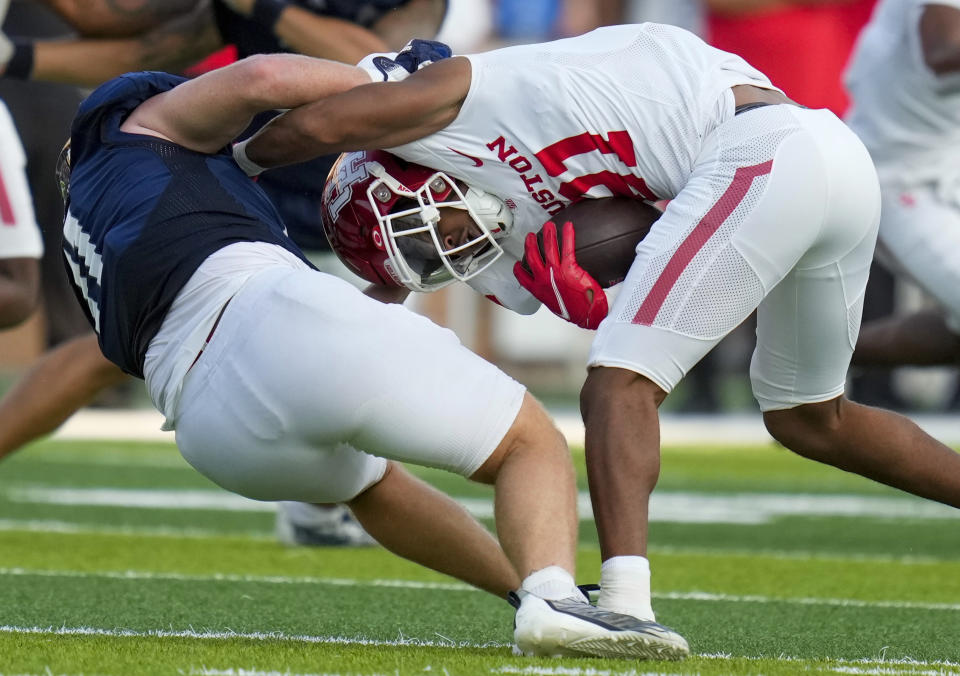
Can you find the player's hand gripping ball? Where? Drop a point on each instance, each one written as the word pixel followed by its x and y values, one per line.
pixel 596 246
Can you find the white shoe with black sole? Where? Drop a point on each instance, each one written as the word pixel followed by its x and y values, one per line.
pixel 571 627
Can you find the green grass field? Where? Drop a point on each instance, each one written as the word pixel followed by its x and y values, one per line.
pixel 118 559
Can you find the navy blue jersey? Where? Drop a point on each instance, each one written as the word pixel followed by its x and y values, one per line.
pixel 144 213
pixel 252 38
pixel 296 190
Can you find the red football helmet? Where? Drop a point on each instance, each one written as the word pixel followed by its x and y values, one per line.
pixel 380 214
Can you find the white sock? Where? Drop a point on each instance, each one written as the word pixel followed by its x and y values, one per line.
pixel 551 583
pixel 625 586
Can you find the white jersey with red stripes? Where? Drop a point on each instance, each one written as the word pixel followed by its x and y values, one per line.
pixel 906 115
pixel 909 118
pixel 774 209
pixel 622 110
pixel 19 235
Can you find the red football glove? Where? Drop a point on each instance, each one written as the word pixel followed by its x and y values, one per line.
pixel 559 282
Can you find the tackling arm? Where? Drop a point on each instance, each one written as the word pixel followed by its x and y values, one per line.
pixel 380 115
pixel 207 113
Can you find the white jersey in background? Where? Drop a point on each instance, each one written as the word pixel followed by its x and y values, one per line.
pixel 19 235
pixel 622 110
pixel 907 117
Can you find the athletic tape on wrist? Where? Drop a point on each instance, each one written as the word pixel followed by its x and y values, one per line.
pixel 267 12
pixel 20 65
pixel 250 168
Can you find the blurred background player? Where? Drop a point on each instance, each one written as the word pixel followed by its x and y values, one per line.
pixel 42 112
pixel 170 36
pixel 905 83
pixel 21 245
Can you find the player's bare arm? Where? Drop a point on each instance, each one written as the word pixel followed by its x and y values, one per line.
pixel 309 33
pixel 19 288
pixel 120 18
pixel 206 113
pixel 940 38
pixel 379 115
pixel 170 46
pixel 331 38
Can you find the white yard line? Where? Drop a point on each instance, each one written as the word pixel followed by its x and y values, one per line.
pixel 746 428
pixel 226 577
pixel 665 506
pixel 864 667
pixel 698 596
pixel 867 667
pixel 256 636
pixel 53 526
pixel 240 671
pixel 232 671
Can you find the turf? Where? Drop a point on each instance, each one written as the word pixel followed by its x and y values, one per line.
pixel 91 585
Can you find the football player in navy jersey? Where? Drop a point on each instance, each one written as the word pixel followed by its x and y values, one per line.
pixel 169 36
pixel 283 382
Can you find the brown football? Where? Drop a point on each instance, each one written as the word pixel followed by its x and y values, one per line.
pixel 606 232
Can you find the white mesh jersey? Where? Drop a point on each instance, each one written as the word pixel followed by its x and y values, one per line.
pixel 622 110
pixel 19 235
pixel 907 117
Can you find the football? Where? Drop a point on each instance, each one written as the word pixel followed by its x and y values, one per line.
pixel 606 233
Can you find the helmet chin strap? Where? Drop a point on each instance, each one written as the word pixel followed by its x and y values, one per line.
pixel 491 210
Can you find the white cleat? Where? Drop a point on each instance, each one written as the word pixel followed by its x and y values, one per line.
pixel 572 627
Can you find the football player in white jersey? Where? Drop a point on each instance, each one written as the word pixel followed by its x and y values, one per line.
pixel 774 209
pixel 21 244
pixel 904 81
